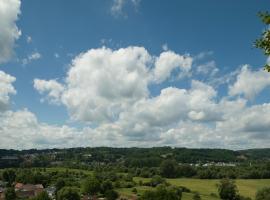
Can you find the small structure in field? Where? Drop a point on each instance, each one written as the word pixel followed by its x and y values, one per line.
pixel 28 190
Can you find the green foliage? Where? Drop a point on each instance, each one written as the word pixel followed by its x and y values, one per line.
pixel 105 186
pixel 263 42
pixel 42 196
pixel 168 168
pixel 9 176
pixel 91 186
pixel 196 196
pixel 60 183
pixel 227 190
pixel 156 180
pixel 10 194
pixel 163 193
pixel 111 195
pixel 263 194
pixel 68 193
pixel 134 190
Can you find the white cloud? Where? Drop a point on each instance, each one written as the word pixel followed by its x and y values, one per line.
pixel 31 57
pixel 102 83
pixel 9 32
pixel 208 68
pixel 110 89
pixel 52 87
pixel 6 89
pixel 249 83
pixel 204 55
pixel 117 8
pixel 167 62
pixel 22 130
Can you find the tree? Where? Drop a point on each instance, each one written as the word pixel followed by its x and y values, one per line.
pixel 105 186
pixel 168 168
pixel 111 195
pixel 227 190
pixel 196 196
pixel 60 183
pixel 42 196
pixel 263 194
pixel 263 42
pixel 10 194
pixel 156 180
pixel 162 192
pixel 91 186
pixel 68 193
pixel 9 176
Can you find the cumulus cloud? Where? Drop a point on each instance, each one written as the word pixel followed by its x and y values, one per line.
pixel 9 32
pixel 22 130
pixel 51 87
pixel 167 62
pixel 6 89
pixel 249 83
pixel 102 83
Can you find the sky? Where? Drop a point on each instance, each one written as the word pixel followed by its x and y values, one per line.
pixel 126 73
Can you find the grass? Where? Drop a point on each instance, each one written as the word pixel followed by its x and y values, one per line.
pixel 246 187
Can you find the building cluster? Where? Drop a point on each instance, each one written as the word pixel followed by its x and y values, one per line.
pixel 26 191
pixel 216 164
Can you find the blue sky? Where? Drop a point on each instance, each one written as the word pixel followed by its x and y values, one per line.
pixel 208 49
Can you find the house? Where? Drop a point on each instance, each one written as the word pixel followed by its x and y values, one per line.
pixel 28 190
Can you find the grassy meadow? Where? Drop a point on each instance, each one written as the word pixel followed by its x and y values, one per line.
pixel 208 189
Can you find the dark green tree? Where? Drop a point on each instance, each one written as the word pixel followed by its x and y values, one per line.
pixel 91 186
pixel 263 194
pixel 60 183
pixel 68 193
pixel 162 193
pixel 263 42
pixel 111 195
pixel 10 194
pixel 196 196
pixel 227 190
pixel 9 176
pixel 156 180
pixel 168 168
pixel 105 186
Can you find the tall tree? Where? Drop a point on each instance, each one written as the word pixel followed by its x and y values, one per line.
pixel 9 176
pixel 263 194
pixel 10 194
pixel 263 42
pixel 227 190
pixel 91 186
pixel 68 193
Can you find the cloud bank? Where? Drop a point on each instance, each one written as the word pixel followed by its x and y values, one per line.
pixel 9 32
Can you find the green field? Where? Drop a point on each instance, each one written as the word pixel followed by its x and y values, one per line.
pixel 247 187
